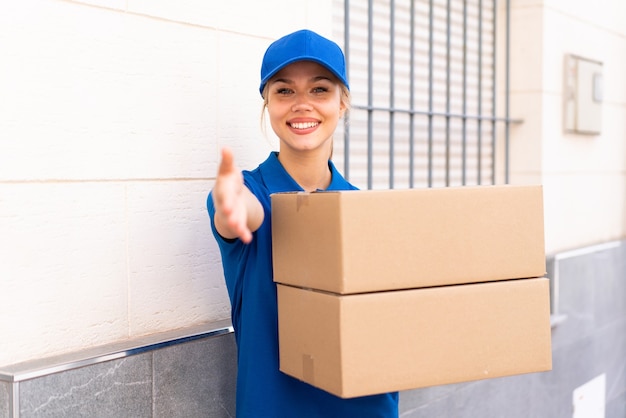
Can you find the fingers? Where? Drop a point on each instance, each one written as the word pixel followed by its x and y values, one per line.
pixel 228 183
pixel 242 231
pixel 227 165
pixel 236 219
pixel 229 199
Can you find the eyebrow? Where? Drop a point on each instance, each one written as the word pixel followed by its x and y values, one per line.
pixel 312 79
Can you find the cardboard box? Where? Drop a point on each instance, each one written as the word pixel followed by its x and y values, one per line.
pixel 365 241
pixel 355 345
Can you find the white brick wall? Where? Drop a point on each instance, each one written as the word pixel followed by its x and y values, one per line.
pixel 111 117
pixel 112 114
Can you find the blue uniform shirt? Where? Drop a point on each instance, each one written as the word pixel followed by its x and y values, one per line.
pixel 262 390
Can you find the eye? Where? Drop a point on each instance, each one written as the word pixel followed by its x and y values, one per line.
pixel 283 91
pixel 320 89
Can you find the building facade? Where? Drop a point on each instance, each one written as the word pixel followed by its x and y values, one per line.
pixel 113 301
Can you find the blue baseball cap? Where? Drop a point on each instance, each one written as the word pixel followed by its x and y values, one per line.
pixel 303 45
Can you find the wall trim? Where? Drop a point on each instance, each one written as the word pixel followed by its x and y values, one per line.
pixel 41 367
pixel 556 317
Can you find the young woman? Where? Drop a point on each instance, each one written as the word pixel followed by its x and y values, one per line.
pixel 305 92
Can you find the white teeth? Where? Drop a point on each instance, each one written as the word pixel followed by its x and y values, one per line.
pixel 304 125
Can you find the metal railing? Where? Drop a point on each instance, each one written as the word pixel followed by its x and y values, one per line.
pixel 446 130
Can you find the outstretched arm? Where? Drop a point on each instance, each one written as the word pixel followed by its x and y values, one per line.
pixel 238 213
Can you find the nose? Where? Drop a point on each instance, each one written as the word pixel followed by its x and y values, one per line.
pixel 300 103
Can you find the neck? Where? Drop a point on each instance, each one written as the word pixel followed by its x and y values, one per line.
pixel 309 170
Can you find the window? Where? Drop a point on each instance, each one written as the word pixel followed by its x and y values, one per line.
pixel 429 83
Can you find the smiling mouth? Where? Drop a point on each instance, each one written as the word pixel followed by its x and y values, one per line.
pixel 304 125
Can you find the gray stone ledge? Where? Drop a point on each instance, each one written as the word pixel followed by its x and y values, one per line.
pixel 41 367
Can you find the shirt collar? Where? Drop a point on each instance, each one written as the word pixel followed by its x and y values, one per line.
pixel 278 180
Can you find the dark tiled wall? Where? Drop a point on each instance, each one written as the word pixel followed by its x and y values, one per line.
pixel 4 400
pixel 197 378
pixel 194 379
pixel 115 388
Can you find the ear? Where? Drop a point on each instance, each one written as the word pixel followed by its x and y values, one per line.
pixel 342 109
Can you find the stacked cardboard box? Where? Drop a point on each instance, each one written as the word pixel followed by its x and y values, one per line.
pixel 390 290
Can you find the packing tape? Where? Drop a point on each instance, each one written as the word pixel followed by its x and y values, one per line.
pixel 302 199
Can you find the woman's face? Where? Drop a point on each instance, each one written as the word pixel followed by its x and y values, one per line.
pixel 304 105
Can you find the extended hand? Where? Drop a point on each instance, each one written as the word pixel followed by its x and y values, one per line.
pixel 234 202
